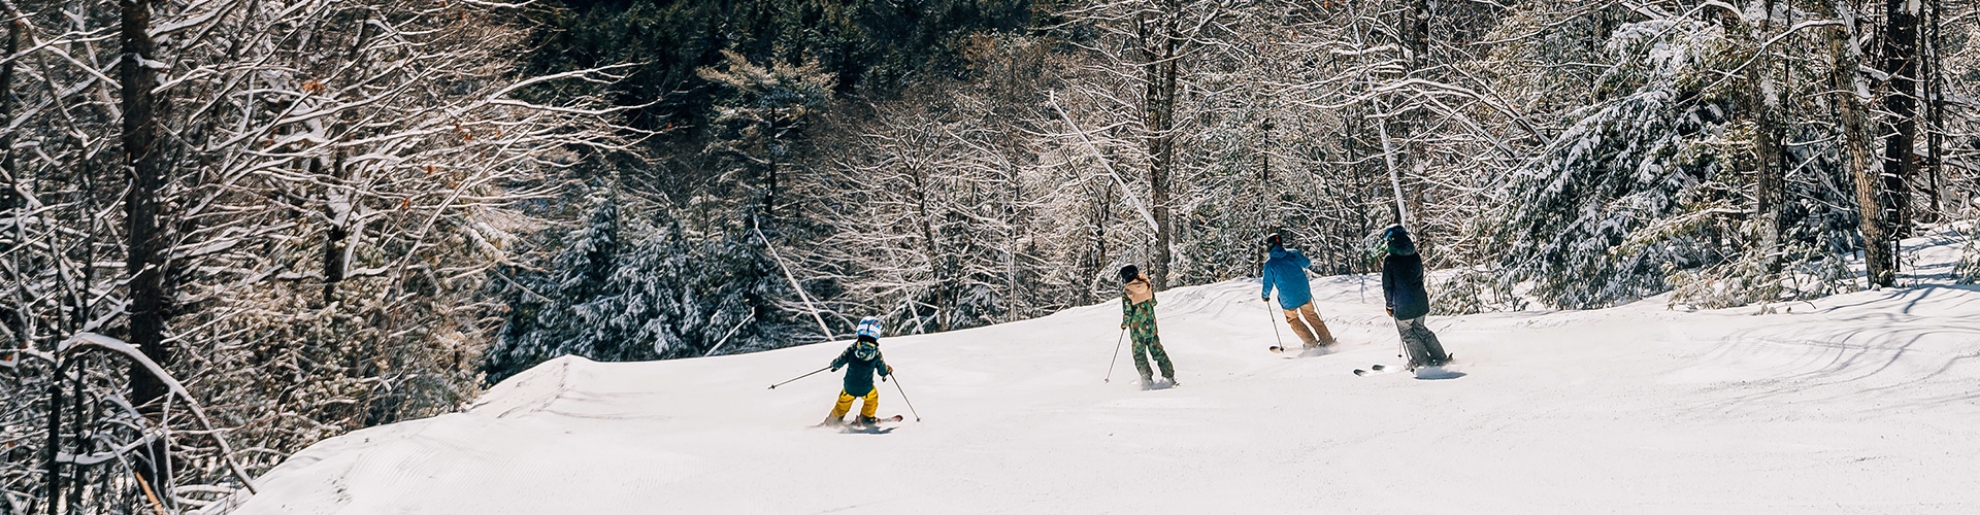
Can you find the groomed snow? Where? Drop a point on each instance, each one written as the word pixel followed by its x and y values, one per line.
pixel 1860 403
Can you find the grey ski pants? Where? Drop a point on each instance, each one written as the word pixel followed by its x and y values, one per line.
pixel 1420 343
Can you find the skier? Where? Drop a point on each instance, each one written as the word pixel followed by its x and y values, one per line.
pixel 1286 270
pixel 1402 286
pixel 861 360
pixel 1138 318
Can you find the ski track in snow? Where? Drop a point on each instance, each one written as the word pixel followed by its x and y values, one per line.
pixel 1859 403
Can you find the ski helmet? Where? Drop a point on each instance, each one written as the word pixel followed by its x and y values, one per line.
pixel 1274 241
pixel 869 327
pixel 1395 240
pixel 1129 273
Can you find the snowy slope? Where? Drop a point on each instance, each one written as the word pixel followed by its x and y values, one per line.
pixel 1861 403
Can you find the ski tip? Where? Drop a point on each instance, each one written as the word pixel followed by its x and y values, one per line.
pixel 898 418
pixel 1276 349
pixel 1360 372
pixel 1378 368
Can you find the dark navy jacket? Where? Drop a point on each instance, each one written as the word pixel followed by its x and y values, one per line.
pixel 859 374
pixel 1402 285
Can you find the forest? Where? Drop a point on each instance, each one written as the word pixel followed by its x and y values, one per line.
pixel 230 229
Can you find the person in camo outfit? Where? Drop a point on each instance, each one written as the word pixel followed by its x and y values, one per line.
pixel 1138 318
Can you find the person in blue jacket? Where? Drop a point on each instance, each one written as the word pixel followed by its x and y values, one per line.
pixel 1286 270
pixel 861 360
pixel 1408 301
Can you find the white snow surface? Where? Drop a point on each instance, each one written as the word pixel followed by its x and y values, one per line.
pixel 1859 403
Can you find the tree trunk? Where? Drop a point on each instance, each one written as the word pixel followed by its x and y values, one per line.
pixel 1769 163
pixel 1404 152
pixel 1900 64
pixel 149 303
pixel 1935 113
pixel 1418 38
pixel 334 239
pixel 54 465
pixel 9 198
pixel 1160 51
pixel 1852 110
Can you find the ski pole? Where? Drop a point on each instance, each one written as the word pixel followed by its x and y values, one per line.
pixel 897 387
pixel 1275 324
pixel 814 372
pixel 1117 357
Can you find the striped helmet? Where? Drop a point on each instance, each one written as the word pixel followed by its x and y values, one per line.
pixel 869 327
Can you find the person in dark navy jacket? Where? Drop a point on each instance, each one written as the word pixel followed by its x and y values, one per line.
pixel 1408 301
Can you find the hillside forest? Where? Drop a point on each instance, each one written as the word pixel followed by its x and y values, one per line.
pixel 230 229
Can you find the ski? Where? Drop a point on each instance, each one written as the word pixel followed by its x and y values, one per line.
pixel 856 425
pixel 1299 352
pixel 874 428
pixel 1435 372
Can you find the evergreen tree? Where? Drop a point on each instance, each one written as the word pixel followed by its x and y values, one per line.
pixel 619 291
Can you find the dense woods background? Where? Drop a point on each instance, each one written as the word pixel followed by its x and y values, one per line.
pixel 232 228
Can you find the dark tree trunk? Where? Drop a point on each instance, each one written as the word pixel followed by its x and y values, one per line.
pixel 334 239
pixel 146 259
pixel 1769 161
pixel 1418 37
pixel 1900 63
pixel 9 199
pixel 1935 112
pixel 54 463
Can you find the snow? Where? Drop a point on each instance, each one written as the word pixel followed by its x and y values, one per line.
pixel 1858 403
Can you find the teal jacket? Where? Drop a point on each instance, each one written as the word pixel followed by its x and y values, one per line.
pixel 859 373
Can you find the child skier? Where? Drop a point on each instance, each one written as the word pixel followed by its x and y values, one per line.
pixel 1286 270
pixel 1402 286
pixel 861 359
pixel 1138 318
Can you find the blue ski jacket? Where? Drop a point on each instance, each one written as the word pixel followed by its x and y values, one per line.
pixel 1286 270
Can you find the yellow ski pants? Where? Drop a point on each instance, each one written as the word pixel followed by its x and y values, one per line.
pixel 866 409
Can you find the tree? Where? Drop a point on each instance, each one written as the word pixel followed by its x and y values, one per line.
pixel 1851 92
pixel 1899 64
pixel 146 159
pixel 768 111
pixel 297 203
pixel 1156 42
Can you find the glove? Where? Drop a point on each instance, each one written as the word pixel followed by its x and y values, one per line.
pixel 835 369
pixel 1392 312
pixel 1266 299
